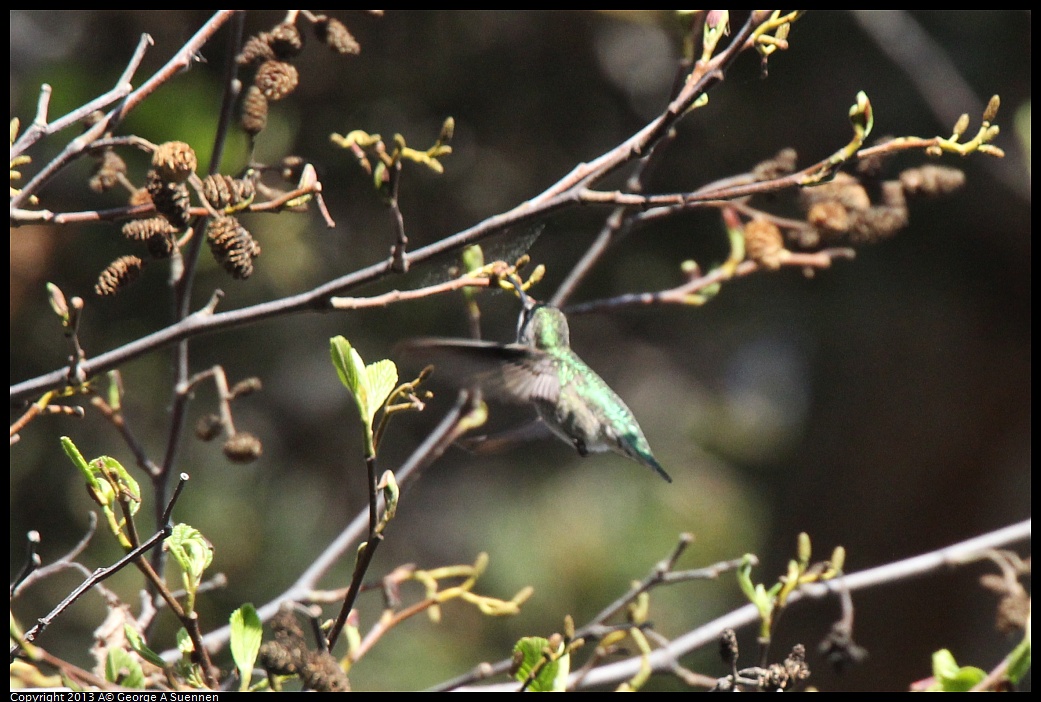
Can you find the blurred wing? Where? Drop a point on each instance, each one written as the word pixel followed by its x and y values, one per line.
pixel 501 441
pixel 507 372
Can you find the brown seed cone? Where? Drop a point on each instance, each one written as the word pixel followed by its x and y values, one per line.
pixel 254 111
pixel 119 274
pixel 829 218
pixel 256 50
pixel 334 34
pixel 145 229
pixel 276 79
pixel 764 243
pixel 843 188
pixel 228 194
pixel 321 673
pixel 174 161
pixel 107 171
pixel 170 199
pixel 285 41
pixel 877 224
pixel 209 427
pixel 139 197
pixel 162 245
pixel 243 448
pixel 931 180
pixel 233 247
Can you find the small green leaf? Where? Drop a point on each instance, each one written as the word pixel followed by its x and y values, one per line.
pixel 371 385
pixel 382 377
pixel 126 482
pixel 188 670
pixel 193 553
pixel 80 462
pixel 137 643
pixel 353 374
pixel 123 669
pixel 58 303
pixel 838 558
pixel 551 676
pixel 115 391
pixel 472 257
pixel 862 116
pixel 1019 659
pixel 246 633
pixel 952 678
pixel 184 642
pixel 391 492
pixel 352 635
pixel 563 670
pixel 189 548
pixel 744 577
pixel 340 350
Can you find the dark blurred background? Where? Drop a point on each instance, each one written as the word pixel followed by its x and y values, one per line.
pixel 883 405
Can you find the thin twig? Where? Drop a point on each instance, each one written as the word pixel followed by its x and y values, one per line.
pixel 448 430
pixel 557 196
pixel 180 61
pixel 118 420
pixel 41 127
pixel 684 294
pixel 661 573
pixel 952 556
pixel 361 566
pixel 97 576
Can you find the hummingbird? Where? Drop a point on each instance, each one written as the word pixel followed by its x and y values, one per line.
pixel 541 369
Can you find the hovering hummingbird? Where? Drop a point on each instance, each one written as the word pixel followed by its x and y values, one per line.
pixel 541 369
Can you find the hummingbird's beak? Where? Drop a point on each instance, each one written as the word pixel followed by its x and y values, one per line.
pixel 528 303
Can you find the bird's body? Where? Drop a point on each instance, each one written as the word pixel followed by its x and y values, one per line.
pixel 541 369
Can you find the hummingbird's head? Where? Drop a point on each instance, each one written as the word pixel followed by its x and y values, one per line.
pixel 543 327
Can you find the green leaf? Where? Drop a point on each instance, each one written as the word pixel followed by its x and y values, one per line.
pixel 1019 659
pixel 126 481
pixel 99 485
pixel 371 385
pixel 58 303
pixel 193 553
pixel 80 462
pixel 191 672
pixel 862 116
pixel 184 642
pixel 952 678
pixel 382 378
pixel 353 375
pixel 744 577
pixel 137 643
pixel 340 349
pixel 246 633
pixel 123 669
pixel 115 399
pixel 473 258
pixel 391 492
pixel 551 676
